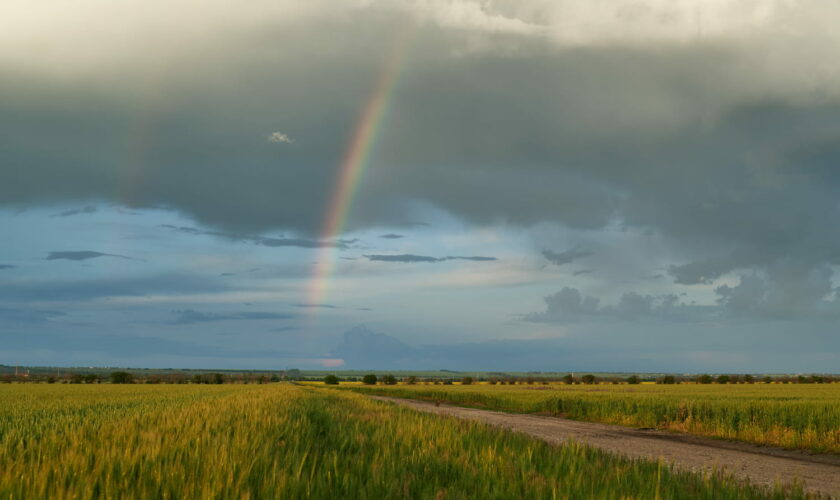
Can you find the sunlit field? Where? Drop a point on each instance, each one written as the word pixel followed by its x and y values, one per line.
pixel 286 441
pixel 790 415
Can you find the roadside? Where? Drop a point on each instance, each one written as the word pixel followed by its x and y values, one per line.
pixel 756 464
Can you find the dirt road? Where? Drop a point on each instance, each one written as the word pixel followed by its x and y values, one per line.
pixel 756 464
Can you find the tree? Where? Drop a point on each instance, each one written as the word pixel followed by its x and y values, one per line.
pixel 588 379
pixel 369 379
pixel 411 380
pixel 569 379
pixel 722 379
pixel 331 380
pixel 668 379
pixel 634 379
pixel 467 381
pixel 704 379
pixel 121 378
pixel 767 379
pixel 389 380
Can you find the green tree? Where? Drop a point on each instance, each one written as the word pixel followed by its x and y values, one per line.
pixel 568 379
pixel 704 379
pixel 668 379
pixel 121 378
pixel 588 379
pixel 634 379
pixel 467 381
pixel 389 380
pixel 369 379
pixel 331 380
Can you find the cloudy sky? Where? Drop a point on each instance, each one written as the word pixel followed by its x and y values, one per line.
pixel 464 184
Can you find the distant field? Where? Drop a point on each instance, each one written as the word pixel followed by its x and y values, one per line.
pixel 285 441
pixel 794 416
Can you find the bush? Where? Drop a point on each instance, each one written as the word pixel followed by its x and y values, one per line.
pixel 411 380
pixel 722 379
pixel 121 378
pixel 467 381
pixel 704 379
pixel 668 379
pixel 369 379
pixel 767 380
pixel 331 380
pixel 633 379
pixel 569 379
pixel 389 380
pixel 588 379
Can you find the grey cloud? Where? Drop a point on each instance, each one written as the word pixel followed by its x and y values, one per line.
pixel 36 290
pixel 82 255
pixel 560 258
pixel 721 145
pixel 77 211
pixel 264 241
pixel 227 274
pixel 190 316
pixel 28 315
pixel 582 271
pixel 391 236
pixel 129 346
pixel 315 306
pixel 410 258
pixel 7 266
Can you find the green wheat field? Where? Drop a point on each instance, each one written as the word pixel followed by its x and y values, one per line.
pixel 289 441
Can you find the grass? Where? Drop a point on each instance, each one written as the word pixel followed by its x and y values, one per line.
pixel 792 416
pixel 285 441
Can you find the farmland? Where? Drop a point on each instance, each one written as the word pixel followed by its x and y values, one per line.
pixel 792 416
pixel 286 441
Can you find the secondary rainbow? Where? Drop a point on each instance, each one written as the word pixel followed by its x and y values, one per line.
pixel 352 168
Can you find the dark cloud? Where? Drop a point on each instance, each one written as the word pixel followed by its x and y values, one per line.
pixel 409 258
pixel 281 329
pixel 322 306
pixel 27 315
pixel 560 258
pixel 82 255
pixel 130 346
pixel 582 271
pixel 227 274
pixel 391 236
pixel 77 211
pixel 264 241
pixel 37 290
pixel 190 316
pixel 7 266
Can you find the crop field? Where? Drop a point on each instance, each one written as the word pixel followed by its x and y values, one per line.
pixel 287 441
pixel 805 416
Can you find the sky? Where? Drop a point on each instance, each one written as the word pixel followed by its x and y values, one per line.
pixel 545 185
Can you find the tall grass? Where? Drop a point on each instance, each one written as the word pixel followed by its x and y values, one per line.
pixel 282 441
pixel 791 416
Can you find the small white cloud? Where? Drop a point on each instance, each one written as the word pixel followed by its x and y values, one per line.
pixel 280 137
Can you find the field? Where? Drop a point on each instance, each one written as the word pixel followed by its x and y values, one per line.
pixel 287 441
pixel 803 416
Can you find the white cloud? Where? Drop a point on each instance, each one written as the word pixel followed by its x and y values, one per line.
pixel 280 137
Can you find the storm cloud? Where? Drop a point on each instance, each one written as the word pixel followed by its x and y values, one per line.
pixel 82 255
pixel 410 258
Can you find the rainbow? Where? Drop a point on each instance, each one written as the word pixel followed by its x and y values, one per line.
pixel 353 167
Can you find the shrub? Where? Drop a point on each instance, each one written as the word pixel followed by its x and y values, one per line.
pixel 569 379
pixel 369 379
pixel 722 379
pixel 121 378
pixel 767 380
pixel 704 379
pixel 634 379
pixel 411 380
pixel 389 380
pixel 667 379
pixel 467 381
pixel 331 380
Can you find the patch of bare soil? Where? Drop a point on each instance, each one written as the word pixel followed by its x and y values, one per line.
pixel 756 464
